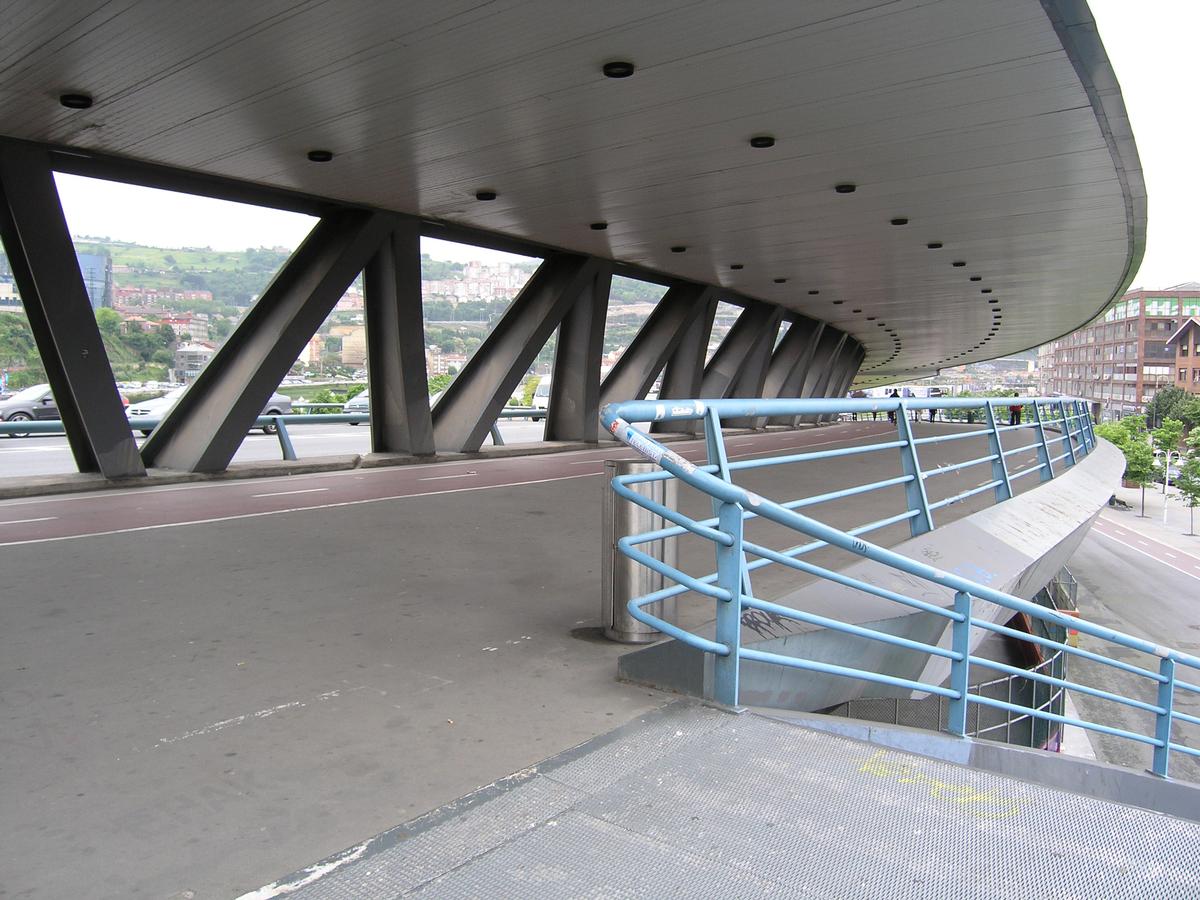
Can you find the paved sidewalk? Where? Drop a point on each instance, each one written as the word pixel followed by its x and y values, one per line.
pixel 691 801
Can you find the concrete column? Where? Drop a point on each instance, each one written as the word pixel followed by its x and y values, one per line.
pixel 203 430
pixel 61 317
pixel 400 419
pixel 684 373
pixel 464 415
pixel 659 337
pixel 751 377
pixel 574 407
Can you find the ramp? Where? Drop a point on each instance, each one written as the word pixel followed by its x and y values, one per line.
pixel 693 801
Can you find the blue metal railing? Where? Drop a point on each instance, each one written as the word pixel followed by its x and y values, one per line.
pixel 1062 434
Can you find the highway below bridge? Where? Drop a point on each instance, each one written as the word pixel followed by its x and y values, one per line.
pixel 204 686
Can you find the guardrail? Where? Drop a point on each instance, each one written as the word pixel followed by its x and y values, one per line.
pixel 732 592
pixel 277 425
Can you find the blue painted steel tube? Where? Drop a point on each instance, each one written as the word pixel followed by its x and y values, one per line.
pixel 1065 720
pixel 1027 447
pixel 848 492
pixel 1187 686
pixel 1162 721
pixel 1185 717
pixel 960 669
pixel 999 464
pixel 847 628
pixel 669 514
pixel 1067 648
pixel 847 580
pixel 831 669
pixel 955 467
pixel 813 455
pixel 285 441
pixel 614 419
pixel 657 565
pixel 730 575
pixel 1190 751
pixel 1063 683
pixel 987 486
pixel 946 438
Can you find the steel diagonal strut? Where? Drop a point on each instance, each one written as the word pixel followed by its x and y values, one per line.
pixel 464 415
pixel 204 429
pixel 60 315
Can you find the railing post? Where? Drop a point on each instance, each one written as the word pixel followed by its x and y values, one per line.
pixel 497 437
pixel 1043 450
pixel 285 440
pixel 960 669
pixel 1077 418
pixel 999 465
pixel 1087 418
pixel 714 441
pixel 730 566
pixel 915 489
pixel 1067 438
pixel 1162 720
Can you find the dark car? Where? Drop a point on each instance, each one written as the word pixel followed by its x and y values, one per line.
pixel 33 403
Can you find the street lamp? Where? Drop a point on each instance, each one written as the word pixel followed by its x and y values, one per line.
pixel 1166 458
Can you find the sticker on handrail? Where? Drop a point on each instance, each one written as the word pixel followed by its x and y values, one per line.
pixel 645 446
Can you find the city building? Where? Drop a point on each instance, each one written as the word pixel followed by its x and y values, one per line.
pixel 354 347
pixel 190 358
pixel 1121 359
pixel 1186 344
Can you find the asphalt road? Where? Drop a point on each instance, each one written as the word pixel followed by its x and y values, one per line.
pixel 1151 589
pixel 49 454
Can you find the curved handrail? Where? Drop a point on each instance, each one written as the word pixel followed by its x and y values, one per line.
pixel 1076 438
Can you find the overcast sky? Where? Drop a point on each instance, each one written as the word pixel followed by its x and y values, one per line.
pixel 1151 44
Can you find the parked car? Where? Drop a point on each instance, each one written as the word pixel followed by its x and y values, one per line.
pixel 541 398
pixel 158 407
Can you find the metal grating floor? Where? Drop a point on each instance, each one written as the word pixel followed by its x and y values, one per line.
pixel 692 802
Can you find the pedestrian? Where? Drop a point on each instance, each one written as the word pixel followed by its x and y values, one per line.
pixel 857 395
pixel 1014 412
pixel 894 395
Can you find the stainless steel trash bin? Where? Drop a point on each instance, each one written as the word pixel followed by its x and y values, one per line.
pixel 624 579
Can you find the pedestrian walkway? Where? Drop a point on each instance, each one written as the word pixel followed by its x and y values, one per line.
pixel 692 801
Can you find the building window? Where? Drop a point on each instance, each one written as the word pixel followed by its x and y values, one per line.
pixel 1183 349
pixel 1195 376
pixel 1182 376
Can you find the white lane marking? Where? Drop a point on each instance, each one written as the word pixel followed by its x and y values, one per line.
pixel 24 521
pixel 1135 550
pixel 279 512
pixel 444 477
pixel 289 493
pixel 1170 555
pixel 1143 543
pixel 246 717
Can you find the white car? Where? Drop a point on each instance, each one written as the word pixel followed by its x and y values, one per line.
pixel 158 407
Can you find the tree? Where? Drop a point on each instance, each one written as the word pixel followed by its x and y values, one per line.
pixel 108 321
pixel 1188 481
pixel 1166 403
pixel 1139 468
pixel 439 383
pixel 1189 413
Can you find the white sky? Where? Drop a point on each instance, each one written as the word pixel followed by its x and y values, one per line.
pixel 1150 43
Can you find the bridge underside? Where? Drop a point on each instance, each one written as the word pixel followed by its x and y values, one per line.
pixel 909 186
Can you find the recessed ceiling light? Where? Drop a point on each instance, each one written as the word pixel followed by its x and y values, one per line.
pixel 618 68
pixel 76 101
pixel 485 195
pixel 781 281
pixel 993 299
pixel 762 141
pixel 813 293
pixel 598 226
pixel 679 248
pixel 934 245
pixel 840 302
pixel 977 278
pixel 870 318
pixel 320 156
pixel 958 263
pixel 900 220
pixel 985 290
pixel 856 311
pixel 845 187
pixel 736 266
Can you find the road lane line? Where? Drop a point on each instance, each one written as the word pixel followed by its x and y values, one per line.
pixel 444 477
pixel 1162 562
pixel 1170 555
pixel 24 521
pixel 294 509
pixel 289 493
